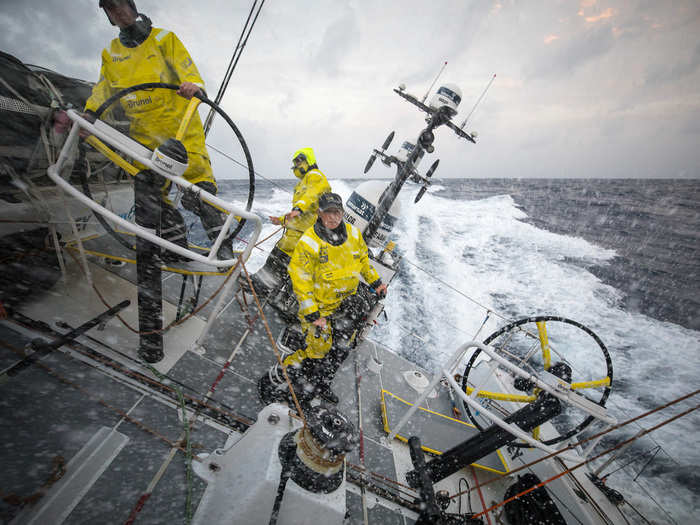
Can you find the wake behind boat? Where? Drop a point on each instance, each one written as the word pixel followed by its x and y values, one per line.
pixel 93 432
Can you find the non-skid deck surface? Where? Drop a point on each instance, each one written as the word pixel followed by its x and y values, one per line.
pixel 107 253
pixel 45 415
pixel 236 353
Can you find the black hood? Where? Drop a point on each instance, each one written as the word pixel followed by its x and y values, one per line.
pixel 136 33
pixel 334 237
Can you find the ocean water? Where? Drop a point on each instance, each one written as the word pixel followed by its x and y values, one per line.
pixel 619 256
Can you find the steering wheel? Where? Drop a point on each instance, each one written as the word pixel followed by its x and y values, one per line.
pixel 241 141
pixel 533 344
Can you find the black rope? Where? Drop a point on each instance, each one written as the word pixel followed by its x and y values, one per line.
pixel 236 53
pixel 469 495
pixel 284 477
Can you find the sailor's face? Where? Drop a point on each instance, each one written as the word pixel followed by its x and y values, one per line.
pixel 121 13
pixel 332 218
pixel 300 164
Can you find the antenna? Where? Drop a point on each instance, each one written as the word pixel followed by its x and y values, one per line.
pixel 478 101
pixel 431 85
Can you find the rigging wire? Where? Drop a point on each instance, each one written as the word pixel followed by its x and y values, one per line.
pixel 240 46
pixel 456 290
pixel 257 174
pixel 651 452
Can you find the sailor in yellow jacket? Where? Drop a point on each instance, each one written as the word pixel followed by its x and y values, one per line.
pixel 325 272
pixel 312 184
pixel 140 54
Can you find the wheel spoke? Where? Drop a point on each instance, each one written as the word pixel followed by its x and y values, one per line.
pixel 187 118
pixel 521 342
pixel 544 344
pixel 590 384
pixel 502 396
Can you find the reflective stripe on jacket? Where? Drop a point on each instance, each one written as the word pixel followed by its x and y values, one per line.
pixel 323 275
pixel 312 185
pixel 155 114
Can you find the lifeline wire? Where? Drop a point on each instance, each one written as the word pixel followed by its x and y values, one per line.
pixel 456 290
pixel 258 174
pixel 567 471
pixel 595 436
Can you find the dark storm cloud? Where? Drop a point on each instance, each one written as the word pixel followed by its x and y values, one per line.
pixel 610 73
pixel 58 35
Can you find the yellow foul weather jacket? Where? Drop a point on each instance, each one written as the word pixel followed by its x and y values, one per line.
pixel 155 114
pixel 322 276
pixel 310 187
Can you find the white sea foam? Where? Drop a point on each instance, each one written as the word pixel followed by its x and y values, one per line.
pixel 483 250
pixel 463 258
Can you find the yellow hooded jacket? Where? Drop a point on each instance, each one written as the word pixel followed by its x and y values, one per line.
pixel 155 114
pixel 310 187
pixel 323 275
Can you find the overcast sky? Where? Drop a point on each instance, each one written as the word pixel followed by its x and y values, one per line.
pixel 588 88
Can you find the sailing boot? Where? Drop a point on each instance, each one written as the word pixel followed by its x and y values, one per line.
pixel 273 387
pixel 320 375
pixel 325 370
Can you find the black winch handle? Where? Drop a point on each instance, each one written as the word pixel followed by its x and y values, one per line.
pixel 430 513
pixel 42 347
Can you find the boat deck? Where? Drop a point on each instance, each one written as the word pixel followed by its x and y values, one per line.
pixel 121 434
pixel 67 400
